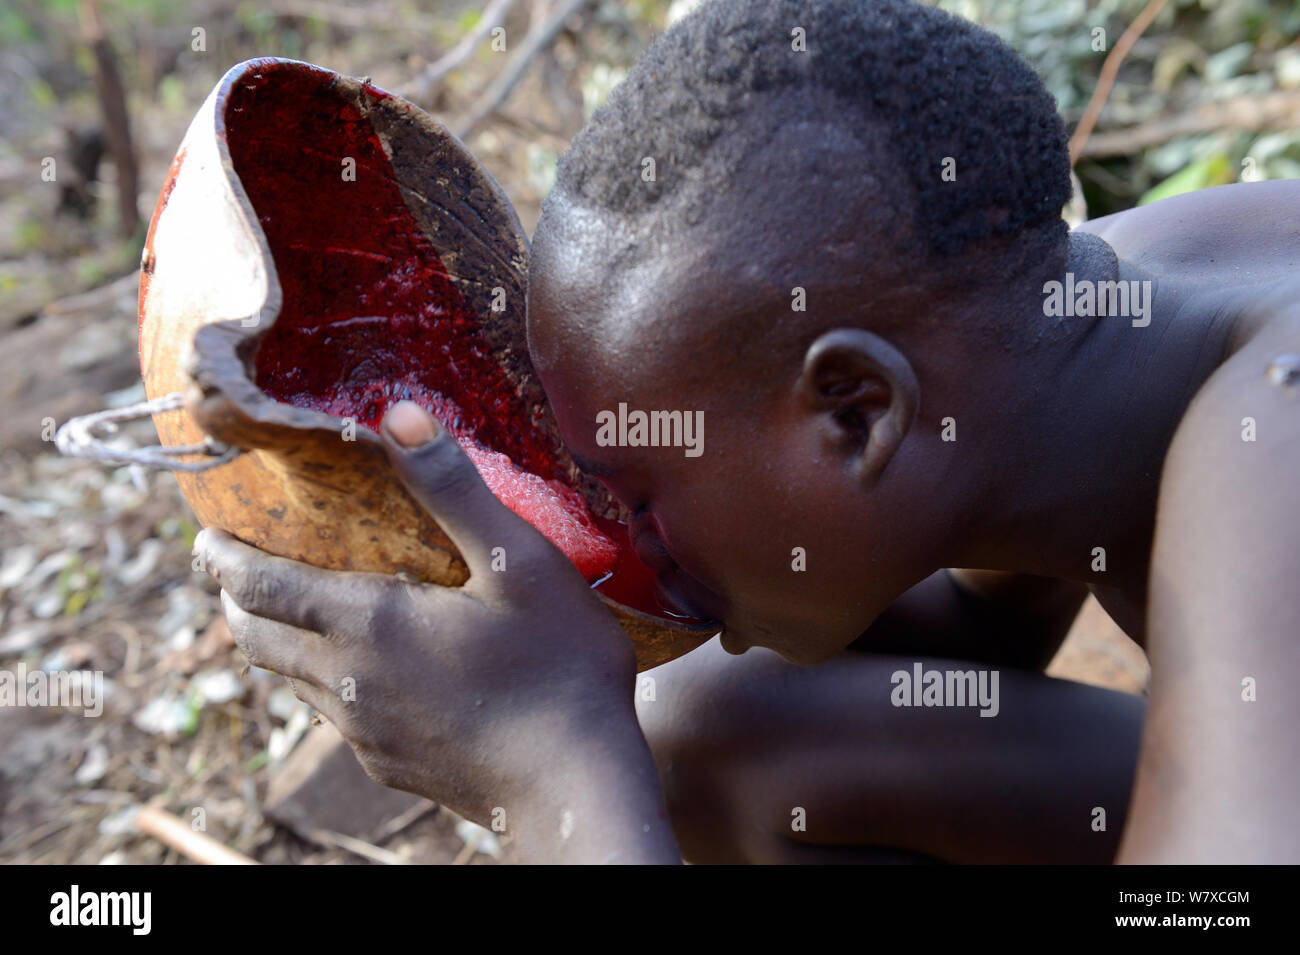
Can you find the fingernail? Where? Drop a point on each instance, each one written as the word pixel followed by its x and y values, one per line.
pixel 410 425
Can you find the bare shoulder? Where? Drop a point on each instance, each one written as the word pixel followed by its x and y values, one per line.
pixel 1245 231
pixel 1220 756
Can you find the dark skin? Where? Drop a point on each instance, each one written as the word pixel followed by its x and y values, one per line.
pixel 1095 433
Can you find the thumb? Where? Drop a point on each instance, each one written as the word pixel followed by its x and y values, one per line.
pixel 446 484
pixel 411 425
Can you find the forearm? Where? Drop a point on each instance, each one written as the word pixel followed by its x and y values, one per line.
pixel 1024 786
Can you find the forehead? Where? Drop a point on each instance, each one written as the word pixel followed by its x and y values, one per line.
pixel 608 300
pixel 714 266
pixel 588 272
pixel 803 199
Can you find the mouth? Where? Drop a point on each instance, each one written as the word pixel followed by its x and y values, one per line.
pixel 672 602
pixel 669 586
pixel 649 546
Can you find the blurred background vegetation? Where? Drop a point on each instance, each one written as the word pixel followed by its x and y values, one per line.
pixel 1210 93
pixel 1207 95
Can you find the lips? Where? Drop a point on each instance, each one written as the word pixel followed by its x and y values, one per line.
pixel 649 546
pixel 667 595
pixel 668 584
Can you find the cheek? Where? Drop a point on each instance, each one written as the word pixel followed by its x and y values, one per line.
pixel 699 523
pixel 773 543
pixel 782 537
pixel 570 416
pixel 744 537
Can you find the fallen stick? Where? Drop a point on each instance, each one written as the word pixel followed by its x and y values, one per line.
pixel 172 831
pixel 394 826
pixel 337 840
pixel 466 853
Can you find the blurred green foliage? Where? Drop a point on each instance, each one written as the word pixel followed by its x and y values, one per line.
pixel 1195 52
pixel 1214 170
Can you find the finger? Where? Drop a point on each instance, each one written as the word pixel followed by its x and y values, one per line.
pixel 327 602
pixel 289 651
pixel 446 484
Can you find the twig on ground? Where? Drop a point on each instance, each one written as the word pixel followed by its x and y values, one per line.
pixel 337 840
pixel 398 823
pixel 96 299
pixel 174 833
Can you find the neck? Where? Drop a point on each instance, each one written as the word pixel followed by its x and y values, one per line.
pixel 1079 435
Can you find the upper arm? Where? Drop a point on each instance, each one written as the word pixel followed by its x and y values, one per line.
pixel 1220 761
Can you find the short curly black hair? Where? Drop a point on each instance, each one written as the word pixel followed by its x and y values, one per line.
pixel 940 85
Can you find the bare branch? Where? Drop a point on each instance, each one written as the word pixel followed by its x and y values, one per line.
pixel 1273 111
pixel 422 86
pixel 1109 70
pixel 117 121
pixel 538 39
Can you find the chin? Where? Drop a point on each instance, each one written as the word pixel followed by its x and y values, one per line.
pixel 803 656
pixel 736 642
pixel 733 642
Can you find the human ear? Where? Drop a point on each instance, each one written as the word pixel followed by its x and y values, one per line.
pixel 866 391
